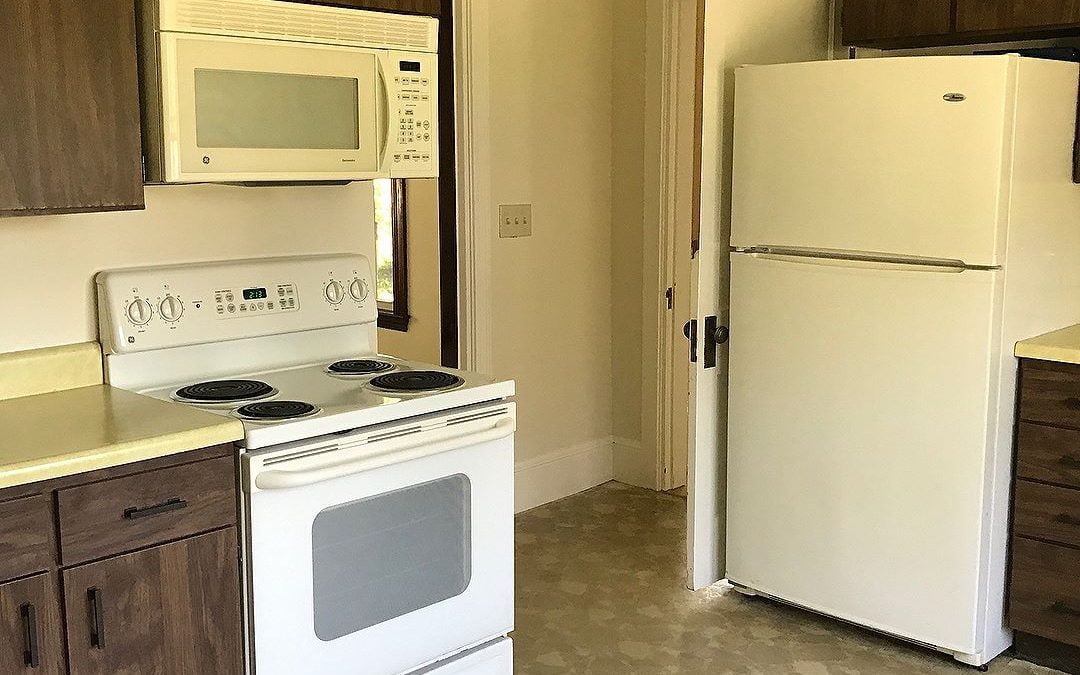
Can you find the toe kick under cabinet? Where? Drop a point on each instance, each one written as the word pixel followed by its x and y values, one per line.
pixel 1044 586
pixel 134 569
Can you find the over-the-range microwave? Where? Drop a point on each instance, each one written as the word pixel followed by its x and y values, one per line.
pixel 274 91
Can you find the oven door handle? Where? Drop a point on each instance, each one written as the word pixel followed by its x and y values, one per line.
pixel 279 479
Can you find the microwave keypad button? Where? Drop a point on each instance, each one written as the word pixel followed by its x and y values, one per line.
pixel 232 309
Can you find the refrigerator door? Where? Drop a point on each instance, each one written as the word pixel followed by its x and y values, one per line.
pixel 859 403
pixel 869 155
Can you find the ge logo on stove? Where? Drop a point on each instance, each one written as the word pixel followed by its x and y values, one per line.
pixel 131 339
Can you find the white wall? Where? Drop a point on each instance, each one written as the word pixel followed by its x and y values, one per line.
pixel 47 263
pixel 550 140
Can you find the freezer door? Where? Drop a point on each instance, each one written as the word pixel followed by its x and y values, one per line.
pixel 859 398
pixel 868 155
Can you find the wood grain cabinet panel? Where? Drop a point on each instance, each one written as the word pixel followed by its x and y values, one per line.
pixel 169 609
pixel 26 537
pixel 874 21
pixel 122 514
pixel 1047 512
pixel 1044 597
pixel 31 634
pixel 1016 15
pixel 70 107
pixel 1050 394
pixel 1048 454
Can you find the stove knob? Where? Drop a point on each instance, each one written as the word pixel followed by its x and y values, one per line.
pixel 358 290
pixel 171 308
pixel 335 292
pixel 139 312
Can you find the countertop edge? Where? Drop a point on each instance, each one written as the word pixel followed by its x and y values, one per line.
pixel 83 461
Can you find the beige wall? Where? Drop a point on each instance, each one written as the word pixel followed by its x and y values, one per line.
pixel 550 139
pixel 48 262
pixel 423 340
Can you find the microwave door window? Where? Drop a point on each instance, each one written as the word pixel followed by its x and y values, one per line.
pixel 248 109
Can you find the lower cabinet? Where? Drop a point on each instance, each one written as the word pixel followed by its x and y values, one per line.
pixel 136 569
pixel 31 632
pixel 169 609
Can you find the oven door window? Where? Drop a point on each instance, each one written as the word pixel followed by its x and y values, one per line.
pixel 384 556
pixel 248 109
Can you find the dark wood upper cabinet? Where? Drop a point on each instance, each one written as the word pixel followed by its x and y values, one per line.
pixel 428 7
pixel 891 24
pixel 1016 15
pixel 883 21
pixel 70 107
pixel 31 633
pixel 169 609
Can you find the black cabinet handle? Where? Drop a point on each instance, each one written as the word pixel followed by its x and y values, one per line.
pixel 31 656
pixel 1067 519
pixel 97 618
pixel 1070 461
pixel 1062 608
pixel 173 504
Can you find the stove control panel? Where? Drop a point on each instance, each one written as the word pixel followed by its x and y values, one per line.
pixel 150 308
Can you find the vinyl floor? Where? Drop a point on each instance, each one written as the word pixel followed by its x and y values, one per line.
pixel 600 589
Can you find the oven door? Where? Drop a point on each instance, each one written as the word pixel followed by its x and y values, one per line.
pixel 392 552
pixel 241 109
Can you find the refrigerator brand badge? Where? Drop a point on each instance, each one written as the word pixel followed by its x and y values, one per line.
pixel 953 97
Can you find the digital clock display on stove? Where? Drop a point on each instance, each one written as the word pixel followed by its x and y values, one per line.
pixel 254 293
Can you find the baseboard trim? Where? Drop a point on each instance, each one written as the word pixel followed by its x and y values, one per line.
pixel 562 473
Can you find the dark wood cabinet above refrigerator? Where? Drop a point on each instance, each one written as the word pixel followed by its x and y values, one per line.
pixel 892 24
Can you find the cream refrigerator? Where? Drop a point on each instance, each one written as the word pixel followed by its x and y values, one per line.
pixel 897 225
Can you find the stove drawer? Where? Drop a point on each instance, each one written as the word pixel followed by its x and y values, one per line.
pixel 123 514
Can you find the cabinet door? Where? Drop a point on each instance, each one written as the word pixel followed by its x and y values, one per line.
pixel 169 609
pixel 70 107
pixel 429 7
pixel 30 630
pixel 894 21
pixel 1016 15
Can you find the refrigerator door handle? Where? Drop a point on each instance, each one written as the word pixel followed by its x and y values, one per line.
pixel 862 258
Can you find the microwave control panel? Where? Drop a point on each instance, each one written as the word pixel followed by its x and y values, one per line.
pixel 413 150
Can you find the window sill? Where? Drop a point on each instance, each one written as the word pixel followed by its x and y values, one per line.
pixel 391 321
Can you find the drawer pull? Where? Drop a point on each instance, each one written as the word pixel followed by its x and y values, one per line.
pixel 1070 461
pixel 174 504
pixel 97 618
pixel 1066 609
pixel 31 655
pixel 1067 519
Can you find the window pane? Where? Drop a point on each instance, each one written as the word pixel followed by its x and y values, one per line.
pixel 384 240
pixel 243 109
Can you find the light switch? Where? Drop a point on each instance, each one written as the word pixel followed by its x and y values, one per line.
pixel 515 220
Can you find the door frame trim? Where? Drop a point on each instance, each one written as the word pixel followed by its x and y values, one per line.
pixel 475 226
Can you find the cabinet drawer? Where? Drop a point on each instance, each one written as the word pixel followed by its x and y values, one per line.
pixel 123 514
pixel 26 536
pixel 1050 393
pixel 1048 454
pixel 1047 512
pixel 1044 592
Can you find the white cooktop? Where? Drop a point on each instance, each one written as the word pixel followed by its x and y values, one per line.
pixel 344 403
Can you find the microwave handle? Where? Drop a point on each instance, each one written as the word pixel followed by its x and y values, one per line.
pixel 384 109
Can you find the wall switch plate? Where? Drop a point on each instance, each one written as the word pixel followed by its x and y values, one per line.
pixel 515 220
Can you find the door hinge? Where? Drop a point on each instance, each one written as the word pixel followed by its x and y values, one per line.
pixel 670 295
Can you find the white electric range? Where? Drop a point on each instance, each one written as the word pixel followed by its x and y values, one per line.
pixel 377 492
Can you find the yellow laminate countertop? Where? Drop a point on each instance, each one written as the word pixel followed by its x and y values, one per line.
pixel 1062 346
pixel 63 433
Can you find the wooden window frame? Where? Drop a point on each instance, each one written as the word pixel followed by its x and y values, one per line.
pixel 396 316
